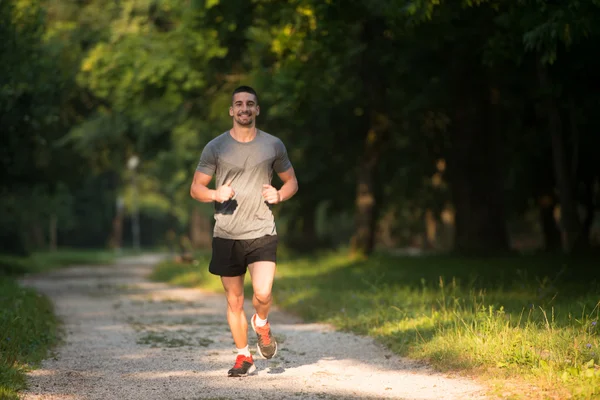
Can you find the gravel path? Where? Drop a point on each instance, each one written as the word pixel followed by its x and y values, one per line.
pixel 128 338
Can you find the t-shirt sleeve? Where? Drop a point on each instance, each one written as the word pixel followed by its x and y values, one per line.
pixel 208 161
pixel 282 162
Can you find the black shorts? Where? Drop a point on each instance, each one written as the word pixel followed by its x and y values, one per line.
pixel 231 257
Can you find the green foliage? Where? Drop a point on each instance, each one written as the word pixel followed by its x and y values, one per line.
pixel 87 85
pixel 29 93
pixel 145 78
pixel 33 90
pixel 148 79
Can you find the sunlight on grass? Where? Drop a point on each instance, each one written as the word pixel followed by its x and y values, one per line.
pixel 187 275
pixel 530 318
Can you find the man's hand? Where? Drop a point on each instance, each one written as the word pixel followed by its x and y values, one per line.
pixel 224 193
pixel 270 194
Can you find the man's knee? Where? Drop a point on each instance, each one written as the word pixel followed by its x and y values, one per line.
pixel 236 303
pixel 263 297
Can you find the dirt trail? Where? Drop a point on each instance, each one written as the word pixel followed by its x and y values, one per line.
pixel 128 338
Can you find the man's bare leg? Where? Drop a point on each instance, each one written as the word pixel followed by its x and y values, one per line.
pixel 263 273
pixel 234 291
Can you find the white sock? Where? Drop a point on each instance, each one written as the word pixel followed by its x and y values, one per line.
pixel 245 351
pixel 259 322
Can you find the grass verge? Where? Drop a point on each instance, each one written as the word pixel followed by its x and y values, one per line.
pixel 28 329
pixel 49 260
pixel 533 321
pixel 28 325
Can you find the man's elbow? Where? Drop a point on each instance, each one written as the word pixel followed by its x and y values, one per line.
pixel 193 192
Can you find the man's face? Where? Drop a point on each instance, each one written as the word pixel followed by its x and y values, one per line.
pixel 244 108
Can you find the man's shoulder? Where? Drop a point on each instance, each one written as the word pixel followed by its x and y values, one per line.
pixel 270 138
pixel 218 140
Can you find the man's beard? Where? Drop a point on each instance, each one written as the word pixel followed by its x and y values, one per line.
pixel 246 122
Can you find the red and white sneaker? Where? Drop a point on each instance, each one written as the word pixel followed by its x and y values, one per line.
pixel 244 366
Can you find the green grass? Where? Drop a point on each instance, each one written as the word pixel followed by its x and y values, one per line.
pixel 28 328
pixel 28 325
pixel 189 275
pixel 529 321
pixel 44 261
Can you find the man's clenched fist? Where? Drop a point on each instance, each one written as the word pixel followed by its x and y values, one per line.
pixel 224 193
pixel 270 194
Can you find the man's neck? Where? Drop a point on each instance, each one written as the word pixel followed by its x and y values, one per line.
pixel 243 133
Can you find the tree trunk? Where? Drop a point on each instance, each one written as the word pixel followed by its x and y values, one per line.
pixel 365 204
pixel 574 138
pixel 476 179
pixel 363 240
pixel 116 237
pixel 37 235
pixel 376 129
pixel 52 233
pixel 430 230
pixel 590 210
pixel 569 218
pixel 550 230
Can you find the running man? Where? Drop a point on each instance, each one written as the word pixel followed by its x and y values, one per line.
pixel 244 237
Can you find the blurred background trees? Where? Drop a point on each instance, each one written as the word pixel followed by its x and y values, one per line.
pixel 466 126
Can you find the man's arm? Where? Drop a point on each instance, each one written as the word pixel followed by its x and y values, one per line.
pixel 202 193
pixel 199 189
pixel 289 188
pixel 290 184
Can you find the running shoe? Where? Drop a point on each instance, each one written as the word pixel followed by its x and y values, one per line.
pixel 267 345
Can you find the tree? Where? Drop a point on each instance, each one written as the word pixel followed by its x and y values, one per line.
pixel 29 115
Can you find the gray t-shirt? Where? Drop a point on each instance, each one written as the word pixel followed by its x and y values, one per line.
pixel 248 166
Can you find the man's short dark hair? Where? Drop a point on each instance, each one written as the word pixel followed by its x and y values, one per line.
pixel 245 89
